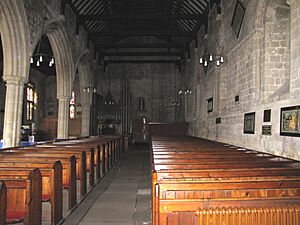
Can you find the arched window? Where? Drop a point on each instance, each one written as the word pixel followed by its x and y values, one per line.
pixel 31 101
pixel 72 106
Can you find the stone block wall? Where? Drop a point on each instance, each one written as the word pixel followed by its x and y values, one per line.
pixel 261 67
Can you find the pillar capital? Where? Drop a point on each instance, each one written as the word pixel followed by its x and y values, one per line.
pixel 16 80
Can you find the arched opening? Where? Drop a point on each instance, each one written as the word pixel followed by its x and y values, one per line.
pixel 40 108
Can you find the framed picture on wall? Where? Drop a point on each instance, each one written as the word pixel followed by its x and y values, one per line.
pixel 210 105
pixel 249 123
pixel 238 17
pixel 290 121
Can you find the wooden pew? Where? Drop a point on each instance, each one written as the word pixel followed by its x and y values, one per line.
pixel 69 172
pixel 51 185
pixel 3 202
pixel 24 199
pixel 193 196
pixel 50 158
pixel 195 178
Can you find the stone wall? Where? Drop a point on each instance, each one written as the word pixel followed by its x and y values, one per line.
pixel 154 82
pixel 261 67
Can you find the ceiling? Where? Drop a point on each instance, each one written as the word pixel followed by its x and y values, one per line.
pixel 110 23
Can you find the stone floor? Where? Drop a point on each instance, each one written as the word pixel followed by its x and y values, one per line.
pixel 123 197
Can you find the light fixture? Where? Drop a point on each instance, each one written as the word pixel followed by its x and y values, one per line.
pixel 206 59
pixel 90 89
pixel 38 58
pixel 185 91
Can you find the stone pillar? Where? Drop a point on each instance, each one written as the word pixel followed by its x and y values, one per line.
pixel 86 102
pixel 13 111
pixel 295 48
pixel 63 117
pixel 85 120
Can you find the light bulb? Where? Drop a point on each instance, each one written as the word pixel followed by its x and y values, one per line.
pixel 50 64
pixel 38 63
pixel 95 90
pixel 205 63
pixel 31 60
pixel 41 58
pixel 218 62
pixel 221 59
pixel 52 61
pixel 210 58
pixel 201 60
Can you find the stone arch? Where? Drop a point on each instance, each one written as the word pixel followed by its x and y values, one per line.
pixel 63 60
pixel 62 51
pixel 15 37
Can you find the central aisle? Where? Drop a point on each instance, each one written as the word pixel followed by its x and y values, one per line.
pixel 123 197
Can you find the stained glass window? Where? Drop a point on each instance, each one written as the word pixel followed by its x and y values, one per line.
pixel 31 100
pixel 72 106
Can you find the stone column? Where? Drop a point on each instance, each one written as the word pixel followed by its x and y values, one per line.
pixel 295 48
pixel 86 102
pixel 85 120
pixel 63 117
pixel 13 111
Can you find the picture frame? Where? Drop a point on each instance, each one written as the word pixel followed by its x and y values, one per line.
pixel 249 123
pixel 210 105
pixel 238 17
pixel 290 121
pixel 267 115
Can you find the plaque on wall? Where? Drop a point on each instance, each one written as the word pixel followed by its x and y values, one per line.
pixel 267 115
pixel 266 130
pixel 210 104
pixel 249 123
pixel 218 120
pixel 290 121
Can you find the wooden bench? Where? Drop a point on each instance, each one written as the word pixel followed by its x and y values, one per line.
pixel 193 196
pixel 24 199
pixel 68 172
pixel 51 185
pixel 49 157
pixel 195 177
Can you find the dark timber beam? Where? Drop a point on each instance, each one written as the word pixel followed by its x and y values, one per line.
pixel 106 62
pixel 152 16
pixel 179 54
pixel 136 45
pixel 142 33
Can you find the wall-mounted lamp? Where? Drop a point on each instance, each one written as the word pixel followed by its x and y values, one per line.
pixel 184 91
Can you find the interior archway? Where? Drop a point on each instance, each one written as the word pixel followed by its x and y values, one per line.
pixel 40 104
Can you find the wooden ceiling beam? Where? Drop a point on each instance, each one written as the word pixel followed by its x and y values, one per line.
pixel 106 62
pixel 146 16
pixel 142 33
pixel 178 54
pixel 136 45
